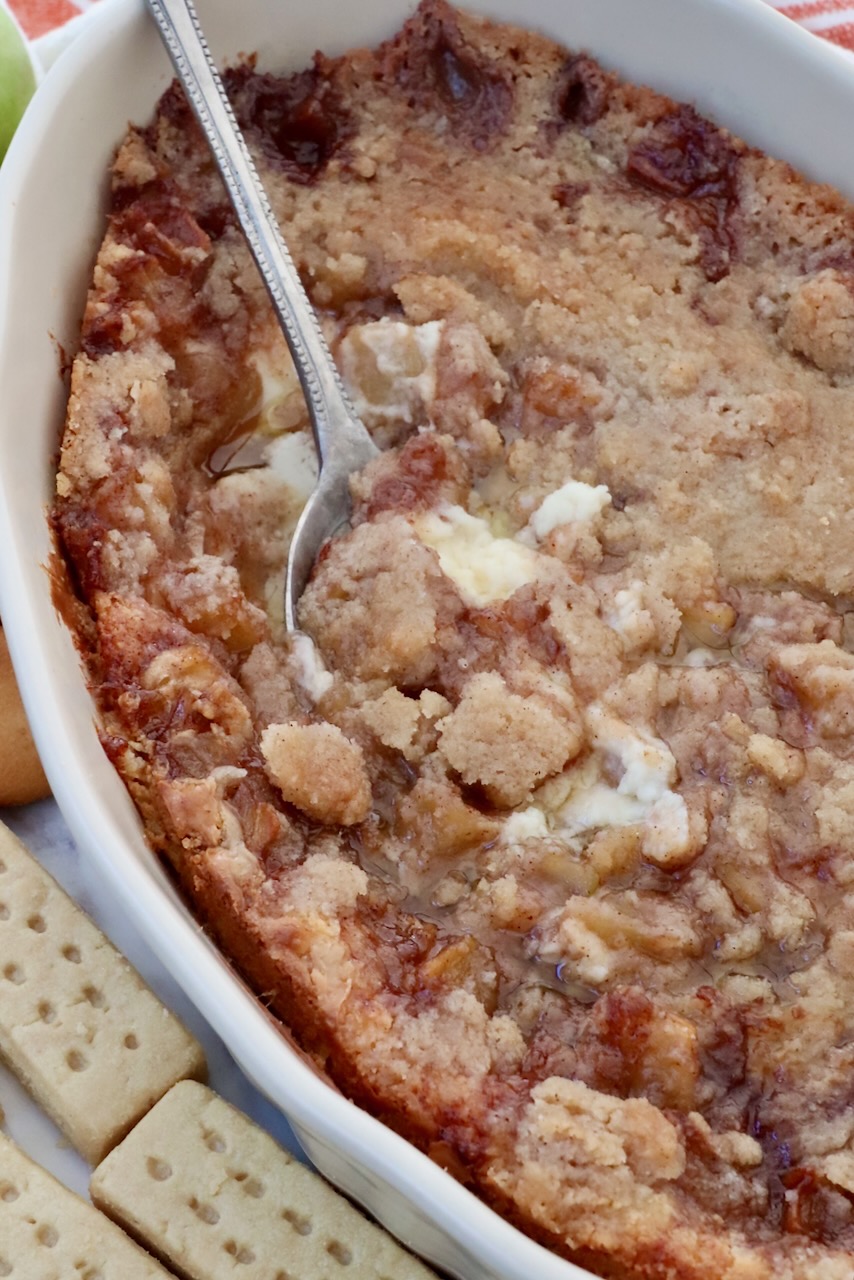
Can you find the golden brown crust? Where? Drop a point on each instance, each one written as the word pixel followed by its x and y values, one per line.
pixel 319 770
pixel 542 851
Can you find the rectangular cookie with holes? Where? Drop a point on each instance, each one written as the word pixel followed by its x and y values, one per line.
pixel 48 1233
pixel 78 1025
pixel 211 1193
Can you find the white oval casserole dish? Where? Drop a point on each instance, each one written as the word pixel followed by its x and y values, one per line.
pixel 738 60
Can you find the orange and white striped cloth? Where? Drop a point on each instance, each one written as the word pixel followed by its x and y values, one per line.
pixel 831 19
pixel 38 17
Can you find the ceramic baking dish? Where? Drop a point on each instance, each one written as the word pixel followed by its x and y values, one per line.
pixel 738 60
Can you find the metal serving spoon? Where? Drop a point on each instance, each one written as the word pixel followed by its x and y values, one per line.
pixel 343 444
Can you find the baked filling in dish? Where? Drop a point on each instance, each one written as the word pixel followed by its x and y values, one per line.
pixel 539 839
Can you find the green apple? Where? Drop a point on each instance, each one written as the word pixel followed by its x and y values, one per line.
pixel 17 81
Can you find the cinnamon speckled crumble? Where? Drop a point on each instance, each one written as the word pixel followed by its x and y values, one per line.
pixel 544 850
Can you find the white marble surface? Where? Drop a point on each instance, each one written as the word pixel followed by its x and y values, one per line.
pixel 43 830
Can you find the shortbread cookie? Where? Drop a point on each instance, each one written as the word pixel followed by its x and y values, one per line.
pixel 206 1189
pixel 22 777
pixel 47 1233
pixel 79 1026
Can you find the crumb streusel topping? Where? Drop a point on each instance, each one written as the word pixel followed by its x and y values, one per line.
pixel 543 848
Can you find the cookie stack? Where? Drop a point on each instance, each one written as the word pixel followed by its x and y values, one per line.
pixel 202 1189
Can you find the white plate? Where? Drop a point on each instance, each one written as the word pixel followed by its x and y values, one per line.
pixel 737 59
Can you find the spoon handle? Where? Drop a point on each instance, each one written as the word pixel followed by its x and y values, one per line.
pixel 340 437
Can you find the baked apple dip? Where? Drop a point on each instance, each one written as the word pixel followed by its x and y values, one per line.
pixel 539 837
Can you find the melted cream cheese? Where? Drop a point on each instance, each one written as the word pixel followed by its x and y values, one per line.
pixel 310 669
pixel 627 616
pixel 524 824
pixel 584 799
pixel 293 458
pixel 593 803
pixel 389 368
pixel 644 792
pixel 649 767
pixel 573 503
pixel 484 568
